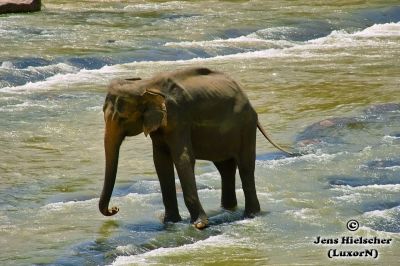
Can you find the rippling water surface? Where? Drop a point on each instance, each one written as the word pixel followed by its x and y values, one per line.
pixel 324 78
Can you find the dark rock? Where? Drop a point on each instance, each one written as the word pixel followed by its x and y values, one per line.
pixel 382 108
pixel 19 6
pixel 358 181
pixel 384 164
pixel 328 131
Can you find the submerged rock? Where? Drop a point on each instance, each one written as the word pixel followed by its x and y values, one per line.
pixel 328 131
pixel 382 108
pixel 341 130
pixel 19 6
pixel 384 164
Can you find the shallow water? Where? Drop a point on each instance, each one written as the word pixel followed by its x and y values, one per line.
pixel 323 78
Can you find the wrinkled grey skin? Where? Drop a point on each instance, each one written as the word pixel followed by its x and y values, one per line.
pixel 189 114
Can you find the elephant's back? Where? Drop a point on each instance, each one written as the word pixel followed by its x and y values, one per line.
pixel 213 89
pixel 209 99
pixel 216 99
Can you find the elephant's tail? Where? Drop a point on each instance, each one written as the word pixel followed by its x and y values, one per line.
pixel 273 143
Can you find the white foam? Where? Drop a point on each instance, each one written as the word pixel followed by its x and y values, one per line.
pixel 249 40
pixel 274 31
pixel 393 168
pixel 7 65
pixel 368 36
pixel 381 30
pixel 374 187
pixel 304 214
pixel 60 206
pixel 351 198
pixel 173 5
pixel 28 105
pixel 359 193
pixel 390 138
pixel 58 68
pixel 337 39
pixel 387 214
pixel 310 49
pixel 7 228
pixel 374 232
pixel 63 80
pixel 260 37
pixel 210 179
pixel 129 198
pixel 317 157
pixel 144 259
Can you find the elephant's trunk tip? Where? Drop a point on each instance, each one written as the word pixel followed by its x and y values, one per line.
pixel 108 212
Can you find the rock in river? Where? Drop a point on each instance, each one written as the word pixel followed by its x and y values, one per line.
pixel 19 6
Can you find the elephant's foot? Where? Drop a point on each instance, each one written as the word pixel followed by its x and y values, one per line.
pixel 230 208
pixel 201 223
pixel 168 218
pixel 229 202
pixel 252 213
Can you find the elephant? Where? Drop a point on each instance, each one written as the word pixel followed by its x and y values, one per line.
pixel 192 113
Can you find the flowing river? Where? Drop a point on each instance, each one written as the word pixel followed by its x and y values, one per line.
pixel 324 77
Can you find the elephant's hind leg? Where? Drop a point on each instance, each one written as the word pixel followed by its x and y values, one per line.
pixel 246 171
pixel 227 169
pixel 246 165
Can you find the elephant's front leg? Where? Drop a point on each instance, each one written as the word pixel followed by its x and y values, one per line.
pixel 184 162
pixel 165 172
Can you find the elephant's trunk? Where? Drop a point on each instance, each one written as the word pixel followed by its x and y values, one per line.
pixel 111 146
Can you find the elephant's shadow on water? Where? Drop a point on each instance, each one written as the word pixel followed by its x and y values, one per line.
pixel 145 236
pixel 217 218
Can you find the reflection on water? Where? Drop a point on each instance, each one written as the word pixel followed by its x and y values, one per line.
pixel 323 77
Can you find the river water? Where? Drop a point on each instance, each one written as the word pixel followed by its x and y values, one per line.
pixel 324 78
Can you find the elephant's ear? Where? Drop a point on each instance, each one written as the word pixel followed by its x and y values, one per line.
pixel 155 114
pixel 121 107
pixel 176 91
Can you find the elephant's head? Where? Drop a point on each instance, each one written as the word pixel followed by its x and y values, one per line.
pixel 130 108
